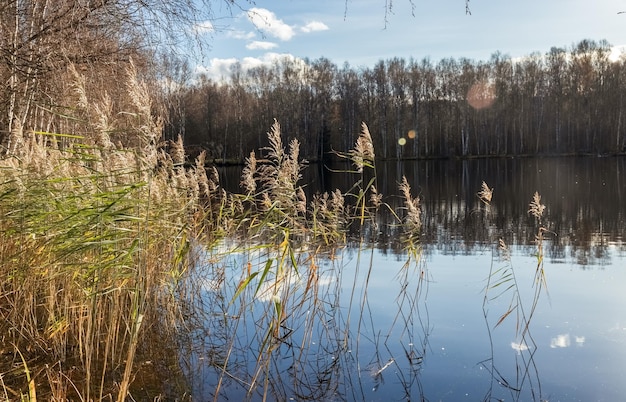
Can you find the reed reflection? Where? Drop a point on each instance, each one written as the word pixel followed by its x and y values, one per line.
pixel 329 341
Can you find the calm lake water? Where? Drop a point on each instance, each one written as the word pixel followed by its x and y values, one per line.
pixel 465 321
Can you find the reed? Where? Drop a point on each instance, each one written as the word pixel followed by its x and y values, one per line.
pixel 502 282
pixel 95 247
pixel 283 237
pixel 101 224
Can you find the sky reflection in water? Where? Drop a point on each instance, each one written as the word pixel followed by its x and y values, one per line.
pixel 579 328
pixel 408 344
pixel 375 329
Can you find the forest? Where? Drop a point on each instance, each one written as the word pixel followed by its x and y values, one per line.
pixel 562 102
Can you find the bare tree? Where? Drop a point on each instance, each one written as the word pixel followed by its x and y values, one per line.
pixel 40 38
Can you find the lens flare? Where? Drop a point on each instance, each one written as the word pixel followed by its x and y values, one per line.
pixel 481 95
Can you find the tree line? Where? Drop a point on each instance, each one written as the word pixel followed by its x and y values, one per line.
pixel 564 101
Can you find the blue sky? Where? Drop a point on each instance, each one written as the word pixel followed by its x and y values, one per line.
pixel 363 33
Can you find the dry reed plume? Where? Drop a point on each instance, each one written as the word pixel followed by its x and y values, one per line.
pixel 502 282
pixel 485 194
pixel 413 221
pixel 363 152
pixel 96 239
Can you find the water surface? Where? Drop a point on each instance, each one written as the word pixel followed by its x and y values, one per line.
pixel 372 322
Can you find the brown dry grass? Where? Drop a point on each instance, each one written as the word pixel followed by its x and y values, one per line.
pixel 95 248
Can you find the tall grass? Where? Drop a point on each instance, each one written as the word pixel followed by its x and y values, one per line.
pixel 503 282
pixel 95 247
pixel 100 226
pixel 285 238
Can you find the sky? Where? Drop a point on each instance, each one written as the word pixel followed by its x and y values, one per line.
pixel 361 32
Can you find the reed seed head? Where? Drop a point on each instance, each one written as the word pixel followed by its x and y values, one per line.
pixel 363 150
pixel 536 208
pixel 485 193
pixel 413 217
pixel 248 182
pixel 376 198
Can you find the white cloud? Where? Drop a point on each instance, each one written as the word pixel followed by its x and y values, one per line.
pixel 617 52
pixel 241 35
pixel 219 70
pixel 255 45
pixel 266 21
pixel 248 63
pixel 268 59
pixel 314 26
pixel 204 27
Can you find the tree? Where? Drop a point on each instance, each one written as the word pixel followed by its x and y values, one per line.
pixel 557 70
pixel 398 80
pixel 39 39
pixel 321 80
pixel 350 94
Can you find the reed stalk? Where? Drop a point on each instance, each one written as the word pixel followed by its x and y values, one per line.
pixel 95 246
pixel 502 281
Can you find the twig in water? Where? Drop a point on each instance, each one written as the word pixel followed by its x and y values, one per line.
pixel 383 368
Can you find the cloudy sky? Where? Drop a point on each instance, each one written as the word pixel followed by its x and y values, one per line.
pixel 361 33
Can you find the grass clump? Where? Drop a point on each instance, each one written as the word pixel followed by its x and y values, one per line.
pixel 95 247
pixel 101 223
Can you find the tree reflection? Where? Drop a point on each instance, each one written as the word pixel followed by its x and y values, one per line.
pixel 584 203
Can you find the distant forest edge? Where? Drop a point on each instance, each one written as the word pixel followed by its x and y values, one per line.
pixel 563 102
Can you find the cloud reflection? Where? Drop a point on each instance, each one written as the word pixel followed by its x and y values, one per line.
pixel 561 341
pixel 519 347
pixel 564 341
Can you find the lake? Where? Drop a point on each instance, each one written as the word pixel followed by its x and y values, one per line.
pixel 480 310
